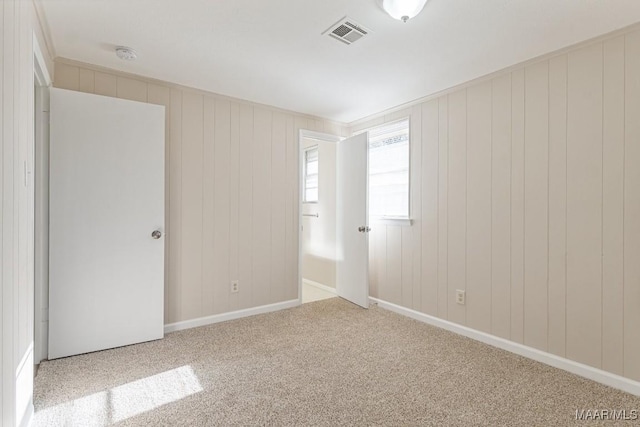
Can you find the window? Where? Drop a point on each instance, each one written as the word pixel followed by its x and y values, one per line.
pixel 389 170
pixel 311 175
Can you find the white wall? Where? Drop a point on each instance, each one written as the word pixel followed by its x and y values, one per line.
pixel 232 192
pixel 526 193
pixel 319 234
pixel 19 26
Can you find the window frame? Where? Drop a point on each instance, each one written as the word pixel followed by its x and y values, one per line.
pixel 315 147
pixel 393 220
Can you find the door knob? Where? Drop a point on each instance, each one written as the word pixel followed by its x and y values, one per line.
pixel 156 234
pixel 364 229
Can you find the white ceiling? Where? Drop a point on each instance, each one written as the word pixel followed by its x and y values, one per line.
pixel 271 52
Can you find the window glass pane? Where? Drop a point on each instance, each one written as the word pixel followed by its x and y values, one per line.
pixel 311 165
pixel 389 178
pixel 312 168
pixel 312 181
pixel 389 170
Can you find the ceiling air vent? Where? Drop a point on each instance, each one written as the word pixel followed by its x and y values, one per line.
pixel 347 31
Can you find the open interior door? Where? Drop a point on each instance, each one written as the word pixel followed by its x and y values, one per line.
pixel 352 228
pixel 106 223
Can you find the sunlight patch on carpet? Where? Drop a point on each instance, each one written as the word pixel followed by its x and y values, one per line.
pixel 125 401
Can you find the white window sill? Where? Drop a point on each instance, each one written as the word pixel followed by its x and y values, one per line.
pixel 400 222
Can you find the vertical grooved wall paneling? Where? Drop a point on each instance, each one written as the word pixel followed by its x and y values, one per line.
pixel 392 286
pixel 262 121
pixel 613 207
pixel 104 84
pixel 174 222
pixel 416 200
pixel 231 191
pixel 479 237
pixel 87 84
pixel 443 208
pixel 372 270
pixel 210 191
pixel 429 220
pixel 134 90
pixel 557 204
pixel 631 184
pixel 10 185
pixel 529 200
pixel 278 196
pixel 457 204
pixel 517 206
pixel 24 211
pixel 584 206
pixel 379 260
pixel 501 207
pixel 234 200
pixel 19 28
pixel 221 252
pixel 291 234
pixel 192 205
pixel 245 203
pixel 536 156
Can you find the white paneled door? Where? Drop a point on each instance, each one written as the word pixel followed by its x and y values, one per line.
pixel 106 223
pixel 352 263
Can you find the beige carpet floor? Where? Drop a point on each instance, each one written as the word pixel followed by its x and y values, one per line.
pixel 324 363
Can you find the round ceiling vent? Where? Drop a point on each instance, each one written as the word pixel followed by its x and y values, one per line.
pixel 126 53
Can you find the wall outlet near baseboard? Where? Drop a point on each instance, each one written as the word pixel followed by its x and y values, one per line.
pixel 460 296
pixel 234 286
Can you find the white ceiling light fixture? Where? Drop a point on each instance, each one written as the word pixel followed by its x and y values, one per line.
pixel 126 53
pixel 402 10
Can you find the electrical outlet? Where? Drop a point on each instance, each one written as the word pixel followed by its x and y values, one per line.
pixel 460 296
pixel 234 287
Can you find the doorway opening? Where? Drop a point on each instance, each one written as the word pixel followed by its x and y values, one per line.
pixel 318 216
pixel 333 234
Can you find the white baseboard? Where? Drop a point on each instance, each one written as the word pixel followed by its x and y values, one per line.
pixel 595 374
pixel 319 286
pixel 217 318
